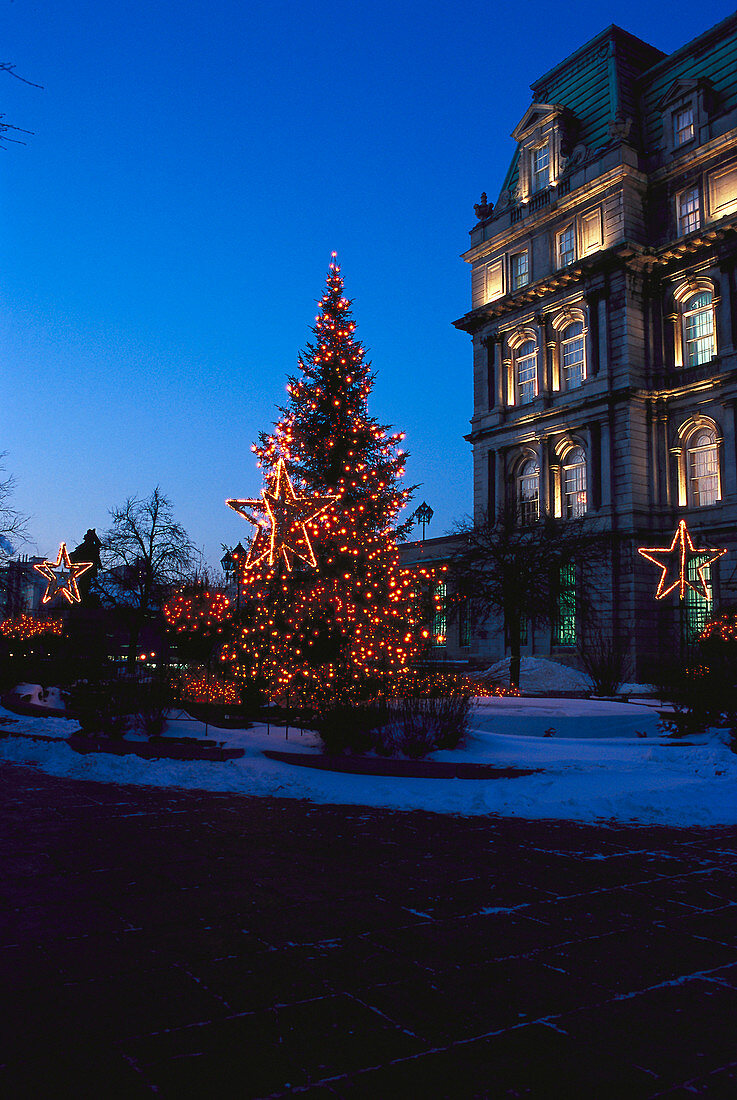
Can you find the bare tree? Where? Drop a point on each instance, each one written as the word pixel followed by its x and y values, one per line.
pixel 13 524
pixel 6 67
pixel 145 553
pixel 513 570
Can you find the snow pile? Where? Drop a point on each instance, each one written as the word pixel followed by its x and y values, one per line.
pixel 33 693
pixel 540 675
pixel 593 766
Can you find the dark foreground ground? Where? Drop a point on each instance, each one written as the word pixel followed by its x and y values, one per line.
pixel 192 944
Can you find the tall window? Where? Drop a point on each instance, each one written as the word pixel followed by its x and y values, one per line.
pixel 519 269
pixel 703 469
pixel 683 126
pixel 573 355
pixel 574 483
pixel 564 626
pixel 698 611
pixel 528 492
pixel 439 623
pixel 698 328
pixel 567 246
pixel 464 625
pixel 689 211
pixel 540 168
pixel 526 372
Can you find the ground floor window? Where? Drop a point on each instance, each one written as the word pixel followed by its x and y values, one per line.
pixel 696 610
pixel 564 626
pixel 464 625
pixel 439 623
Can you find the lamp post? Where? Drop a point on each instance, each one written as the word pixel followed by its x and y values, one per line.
pixel 423 515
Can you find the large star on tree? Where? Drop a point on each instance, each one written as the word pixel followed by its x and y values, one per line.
pixel 674 560
pixel 61 576
pixel 287 516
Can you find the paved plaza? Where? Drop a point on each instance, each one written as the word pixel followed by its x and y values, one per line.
pixel 190 944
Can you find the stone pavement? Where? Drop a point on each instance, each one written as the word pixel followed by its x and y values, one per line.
pixel 189 944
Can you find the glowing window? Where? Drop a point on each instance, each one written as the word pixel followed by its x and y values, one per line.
pixel 567 246
pixel 698 610
pixel 519 265
pixel 573 355
pixel 526 372
pixel 689 211
pixel 703 469
pixel 540 168
pixel 574 484
pixel 683 125
pixel 564 632
pixel 698 328
pixel 439 624
pixel 528 492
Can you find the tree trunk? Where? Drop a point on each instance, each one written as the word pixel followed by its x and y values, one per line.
pixel 514 647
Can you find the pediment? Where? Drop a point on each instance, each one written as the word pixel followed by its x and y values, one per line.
pixel 682 89
pixel 535 115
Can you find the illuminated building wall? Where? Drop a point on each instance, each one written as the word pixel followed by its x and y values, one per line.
pixel 604 319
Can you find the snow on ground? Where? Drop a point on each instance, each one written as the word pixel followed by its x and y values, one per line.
pixel 594 767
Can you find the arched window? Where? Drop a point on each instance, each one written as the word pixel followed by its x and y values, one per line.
pixel 702 462
pixel 574 483
pixel 528 492
pixel 698 328
pixel 573 355
pixel 526 369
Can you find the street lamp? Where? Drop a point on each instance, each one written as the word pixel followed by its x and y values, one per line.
pixel 423 515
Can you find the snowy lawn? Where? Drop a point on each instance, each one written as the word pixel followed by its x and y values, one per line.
pixel 593 768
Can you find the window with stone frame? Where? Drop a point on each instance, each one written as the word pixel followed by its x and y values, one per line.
pixel 702 462
pixel 525 362
pixel 574 483
pixel 540 168
pixel 698 328
pixel 683 125
pixel 689 211
pixel 528 492
pixel 566 245
pixel 519 269
pixel 573 355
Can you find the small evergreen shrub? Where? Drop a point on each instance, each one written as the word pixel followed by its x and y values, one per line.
pixel 102 706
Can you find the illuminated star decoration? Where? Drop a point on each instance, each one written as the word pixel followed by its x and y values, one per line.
pixel 677 557
pixel 62 576
pixel 288 516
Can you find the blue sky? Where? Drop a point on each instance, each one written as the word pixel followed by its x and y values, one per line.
pixel 167 229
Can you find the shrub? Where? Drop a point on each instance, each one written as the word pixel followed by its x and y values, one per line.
pixel 102 706
pixel 425 712
pixel 153 702
pixel 605 659
pixel 345 727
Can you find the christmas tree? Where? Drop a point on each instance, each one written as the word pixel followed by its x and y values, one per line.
pixel 329 614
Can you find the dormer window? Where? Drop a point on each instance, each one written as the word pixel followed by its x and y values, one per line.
pixel 544 135
pixel 687 107
pixel 540 168
pixel 683 126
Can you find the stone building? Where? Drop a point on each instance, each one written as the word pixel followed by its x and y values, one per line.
pixel 604 328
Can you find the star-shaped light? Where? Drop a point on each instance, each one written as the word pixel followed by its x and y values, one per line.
pixel 62 576
pixel 676 559
pixel 287 515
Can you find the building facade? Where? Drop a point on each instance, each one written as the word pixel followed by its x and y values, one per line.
pixel 604 328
